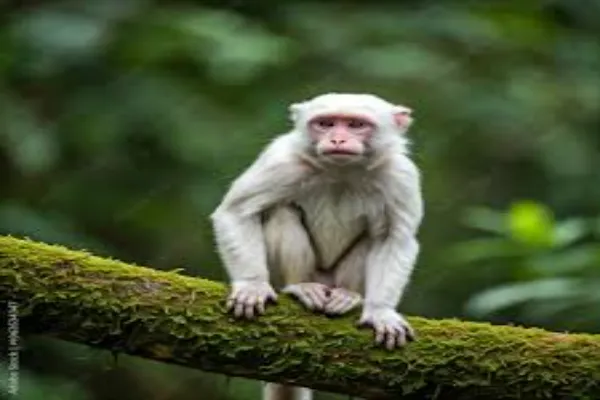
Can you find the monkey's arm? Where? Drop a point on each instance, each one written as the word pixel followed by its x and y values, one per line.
pixel 392 257
pixel 238 227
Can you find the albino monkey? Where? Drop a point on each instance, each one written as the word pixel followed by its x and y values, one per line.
pixel 328 213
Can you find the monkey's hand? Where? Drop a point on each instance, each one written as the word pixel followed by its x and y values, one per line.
pixel 391 329
pixel 312 295
pixel 341 301
pixel 248 298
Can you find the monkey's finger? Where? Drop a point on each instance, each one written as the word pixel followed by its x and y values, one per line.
pixel 391 334
pixel 231 299
pixel 271 296
pixel 304 299
pixel 260 304
pixel 251 299
pixel 355 300
pixel 400 336
pixel 351 303
pixel 230 303
pixel 321 292
pixel 363 321
pixel 379 333
pixel 241 297
pixel 234 291
pixel 238 310
pixel 339 304
pixel 316 298
pixel 310 301
pixel 249 311
pixel 250 305
pixel 411 335
pixel 233 302
pixel 335 306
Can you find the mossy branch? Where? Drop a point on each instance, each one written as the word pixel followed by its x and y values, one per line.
pixel 173 318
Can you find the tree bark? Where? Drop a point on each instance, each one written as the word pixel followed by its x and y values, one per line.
pixel 167 316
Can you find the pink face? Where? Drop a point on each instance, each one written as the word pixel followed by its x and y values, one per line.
pixel 342 135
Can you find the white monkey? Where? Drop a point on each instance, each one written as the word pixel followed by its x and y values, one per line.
pixel 329 213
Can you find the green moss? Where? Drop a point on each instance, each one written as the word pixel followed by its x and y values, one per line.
pixel 167 316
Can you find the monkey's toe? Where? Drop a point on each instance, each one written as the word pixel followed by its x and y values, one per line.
pixel 342 301
pixel 312 295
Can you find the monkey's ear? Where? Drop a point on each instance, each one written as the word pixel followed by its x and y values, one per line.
pixel 403 117
pixel 295 110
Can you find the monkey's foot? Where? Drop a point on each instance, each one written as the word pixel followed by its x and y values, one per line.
pixel 248 298
pixel 391 329
pixel 312 295
pixel 341 301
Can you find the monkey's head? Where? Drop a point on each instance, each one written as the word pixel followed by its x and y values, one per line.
pixel 349 128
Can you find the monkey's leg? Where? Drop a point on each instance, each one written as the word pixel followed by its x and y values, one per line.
pixel 349 280
pixel 291 258
pixel 292 263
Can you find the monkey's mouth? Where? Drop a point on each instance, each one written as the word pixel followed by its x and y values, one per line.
pixel 340 152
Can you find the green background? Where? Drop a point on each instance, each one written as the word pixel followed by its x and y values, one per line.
pixel 123 121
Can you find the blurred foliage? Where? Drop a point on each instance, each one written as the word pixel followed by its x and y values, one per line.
pixel 551 267
pixel 123 121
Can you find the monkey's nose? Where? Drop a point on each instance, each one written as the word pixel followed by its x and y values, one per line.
pixel 337 142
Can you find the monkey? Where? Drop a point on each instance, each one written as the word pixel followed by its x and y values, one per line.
pixel 328 213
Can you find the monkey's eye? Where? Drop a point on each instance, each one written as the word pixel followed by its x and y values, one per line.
pixel 325 123
pixel 356 124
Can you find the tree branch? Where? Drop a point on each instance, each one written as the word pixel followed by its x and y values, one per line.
pixel 177 319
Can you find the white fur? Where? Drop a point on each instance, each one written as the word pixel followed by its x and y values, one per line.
pixel 380 194
pixel 289 246
pixel 274 391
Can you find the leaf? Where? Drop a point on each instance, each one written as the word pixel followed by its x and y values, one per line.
pixel 531 223
pixel 569 261
pixel 505 296
pixel 483 249
pixel 485 219
pixel 235 49
pixel 31 145
pixel 59 38
pixel 570 231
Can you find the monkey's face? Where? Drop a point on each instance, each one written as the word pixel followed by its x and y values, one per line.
pixel 341 137
pixel 349 128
